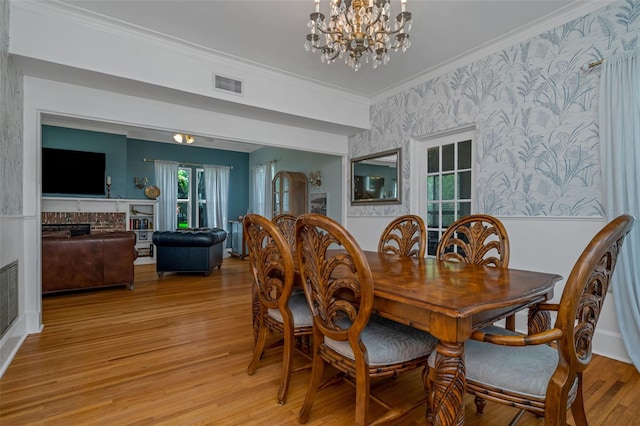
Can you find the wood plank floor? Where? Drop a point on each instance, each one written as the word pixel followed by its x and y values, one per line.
pixel 175 350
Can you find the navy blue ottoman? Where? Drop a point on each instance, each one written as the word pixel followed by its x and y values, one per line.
pixel 189 251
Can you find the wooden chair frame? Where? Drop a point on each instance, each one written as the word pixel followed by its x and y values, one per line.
pixel 272 267
pixel 577 316
pixel 338 284
pixel 404 236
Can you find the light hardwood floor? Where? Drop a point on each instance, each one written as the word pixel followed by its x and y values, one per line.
pixel 175 351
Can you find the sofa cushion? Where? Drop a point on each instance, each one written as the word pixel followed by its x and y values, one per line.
pixel 201 238
pixel 63 233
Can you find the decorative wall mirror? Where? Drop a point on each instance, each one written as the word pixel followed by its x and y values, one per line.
pixel 375 179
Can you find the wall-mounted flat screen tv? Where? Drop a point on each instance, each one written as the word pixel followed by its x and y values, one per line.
pixel 73 172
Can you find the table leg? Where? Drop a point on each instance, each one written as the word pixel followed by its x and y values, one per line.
pixel 449 385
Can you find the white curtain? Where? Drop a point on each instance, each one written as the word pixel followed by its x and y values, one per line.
pixel 620 156
pixel 216 190
pixel 167 181
pixel 261 200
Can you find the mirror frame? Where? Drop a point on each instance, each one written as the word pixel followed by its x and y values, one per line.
pixel 372 201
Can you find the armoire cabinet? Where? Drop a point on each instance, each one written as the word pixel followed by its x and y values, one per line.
pixel 289 193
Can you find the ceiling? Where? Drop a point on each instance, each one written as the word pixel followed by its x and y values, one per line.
pixel 272 33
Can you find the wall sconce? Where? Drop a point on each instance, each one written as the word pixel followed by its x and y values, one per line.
pixel 179 137
pixel 315 178
pixel 140 183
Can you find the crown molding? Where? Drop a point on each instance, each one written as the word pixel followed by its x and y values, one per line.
pixel 574 10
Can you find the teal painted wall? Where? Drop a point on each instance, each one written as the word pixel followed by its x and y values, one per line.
pixel 238 178
pixel 330 167
pixel 124 161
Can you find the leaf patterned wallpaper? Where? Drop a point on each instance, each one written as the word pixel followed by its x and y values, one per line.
pixel 536 118
pixel 11 128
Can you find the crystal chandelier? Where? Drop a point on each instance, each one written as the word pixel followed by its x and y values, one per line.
pixel 355 28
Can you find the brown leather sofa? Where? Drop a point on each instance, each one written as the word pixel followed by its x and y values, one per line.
pixel 87 261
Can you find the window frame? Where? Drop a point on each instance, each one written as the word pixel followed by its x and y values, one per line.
pixel 197 200
pixel 420 152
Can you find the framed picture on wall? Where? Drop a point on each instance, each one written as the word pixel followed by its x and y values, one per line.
pixel 318 203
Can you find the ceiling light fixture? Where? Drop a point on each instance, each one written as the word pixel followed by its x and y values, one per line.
pixel 179 137
pixel 357 27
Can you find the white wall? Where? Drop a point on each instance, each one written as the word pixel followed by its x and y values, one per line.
pixel 86 43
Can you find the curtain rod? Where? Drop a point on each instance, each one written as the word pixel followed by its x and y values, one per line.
pixel 587 67
pixel 151 160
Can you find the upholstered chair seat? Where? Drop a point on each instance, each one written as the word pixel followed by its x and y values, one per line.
pixel 387 342
pixel 299 309
pixel 522 369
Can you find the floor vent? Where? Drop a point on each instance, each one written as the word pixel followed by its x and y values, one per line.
pixel 8 296
pixel 228 84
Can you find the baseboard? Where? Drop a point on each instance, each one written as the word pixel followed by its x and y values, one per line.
pixel 11 342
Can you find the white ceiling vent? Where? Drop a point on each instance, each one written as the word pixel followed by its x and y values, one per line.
pixel 227 84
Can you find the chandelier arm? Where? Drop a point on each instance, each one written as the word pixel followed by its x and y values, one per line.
pixel 326 45
pixel 335 55
pixel 329 32
pixel 399 30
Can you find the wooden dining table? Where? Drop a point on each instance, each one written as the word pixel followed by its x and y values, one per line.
pixel 451 300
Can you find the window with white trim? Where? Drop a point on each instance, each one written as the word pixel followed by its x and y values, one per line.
pixel 447 184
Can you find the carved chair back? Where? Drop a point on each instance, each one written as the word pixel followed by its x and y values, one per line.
pixel 478 239
pixel 286 223
pixel 270 261
pixel 404 236
pixel 338 285
pixel 584 294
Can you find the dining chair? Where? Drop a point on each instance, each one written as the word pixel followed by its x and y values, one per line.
pixel 404 236
pixel 280 310
pixel 478 239
pixel 346 334
pixel 286 223
pixel 542 373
